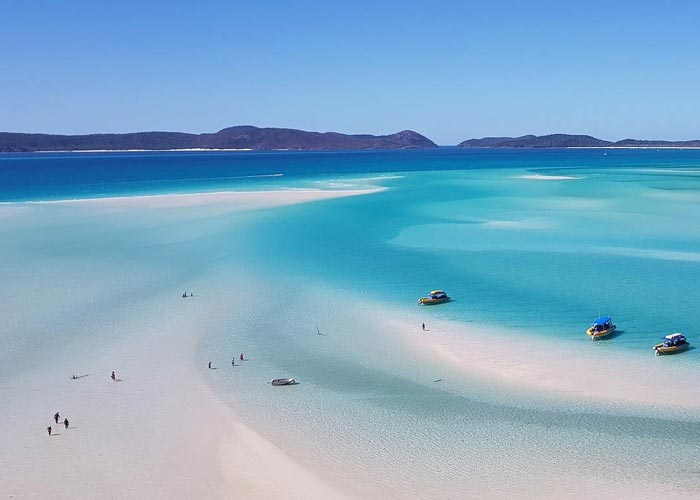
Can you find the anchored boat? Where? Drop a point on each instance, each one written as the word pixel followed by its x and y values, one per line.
pixel 601 327
pixel 435 297
pixel 672 344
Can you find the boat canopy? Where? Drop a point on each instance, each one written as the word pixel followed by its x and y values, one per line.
pixel 602 320
pixel 675 336
pixel 437 292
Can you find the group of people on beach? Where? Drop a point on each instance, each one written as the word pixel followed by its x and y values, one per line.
pixel 233 360
pixel 56 416
pixel 184 295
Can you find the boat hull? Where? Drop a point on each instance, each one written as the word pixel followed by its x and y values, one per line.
pixel 427 301
pixel 600 334
pixel 283 381
pixel 662 351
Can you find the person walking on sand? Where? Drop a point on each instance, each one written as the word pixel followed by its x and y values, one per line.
pixel 114 377
pixel 423 326
pixel 48 429
pixel 241 356
pixel 233 361
pixel 56 417
pixel 65 422
pixel 210 365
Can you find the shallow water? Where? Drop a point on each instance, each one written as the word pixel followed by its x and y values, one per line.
pixel 529 256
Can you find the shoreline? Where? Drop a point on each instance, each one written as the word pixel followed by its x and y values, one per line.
pixel 505 359
pixel 250 150
pixel 159 430
pixel 265 197
pixel 165 430
pixel 152 415
pixel 496 378
pixel 182 150
pixel 578 371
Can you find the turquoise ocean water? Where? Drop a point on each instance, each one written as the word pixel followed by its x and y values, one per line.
pixel 532 243
pixel 621 238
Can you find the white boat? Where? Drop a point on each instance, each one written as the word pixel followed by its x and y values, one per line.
pixel 283 381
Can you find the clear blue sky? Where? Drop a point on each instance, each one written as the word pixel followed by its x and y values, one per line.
pixel 448 69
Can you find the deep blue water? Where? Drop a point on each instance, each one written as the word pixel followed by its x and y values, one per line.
pixel 51 176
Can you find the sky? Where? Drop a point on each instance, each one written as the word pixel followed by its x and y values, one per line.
pixel 450 70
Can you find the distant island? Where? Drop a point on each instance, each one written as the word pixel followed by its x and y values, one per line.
pixel 241 137
pixel 247 137
pixel 570 141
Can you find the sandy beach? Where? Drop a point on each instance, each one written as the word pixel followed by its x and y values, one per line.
pixel 233 200
pixel 158 431
pixel 321 251
pixel 161 430
pixel 179 150
pixel 541 177
pixel 579 372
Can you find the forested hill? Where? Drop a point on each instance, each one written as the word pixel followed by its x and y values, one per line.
pixel 568 141
pixel 240 137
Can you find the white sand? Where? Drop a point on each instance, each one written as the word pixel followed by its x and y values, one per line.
pixel 142 150
pixel 526 224
pixel 158 432
pixel 162 433
pixel 235 200
pixel 540 177
pixel 582 371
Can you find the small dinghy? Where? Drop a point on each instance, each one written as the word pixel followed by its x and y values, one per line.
pixel 283 381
